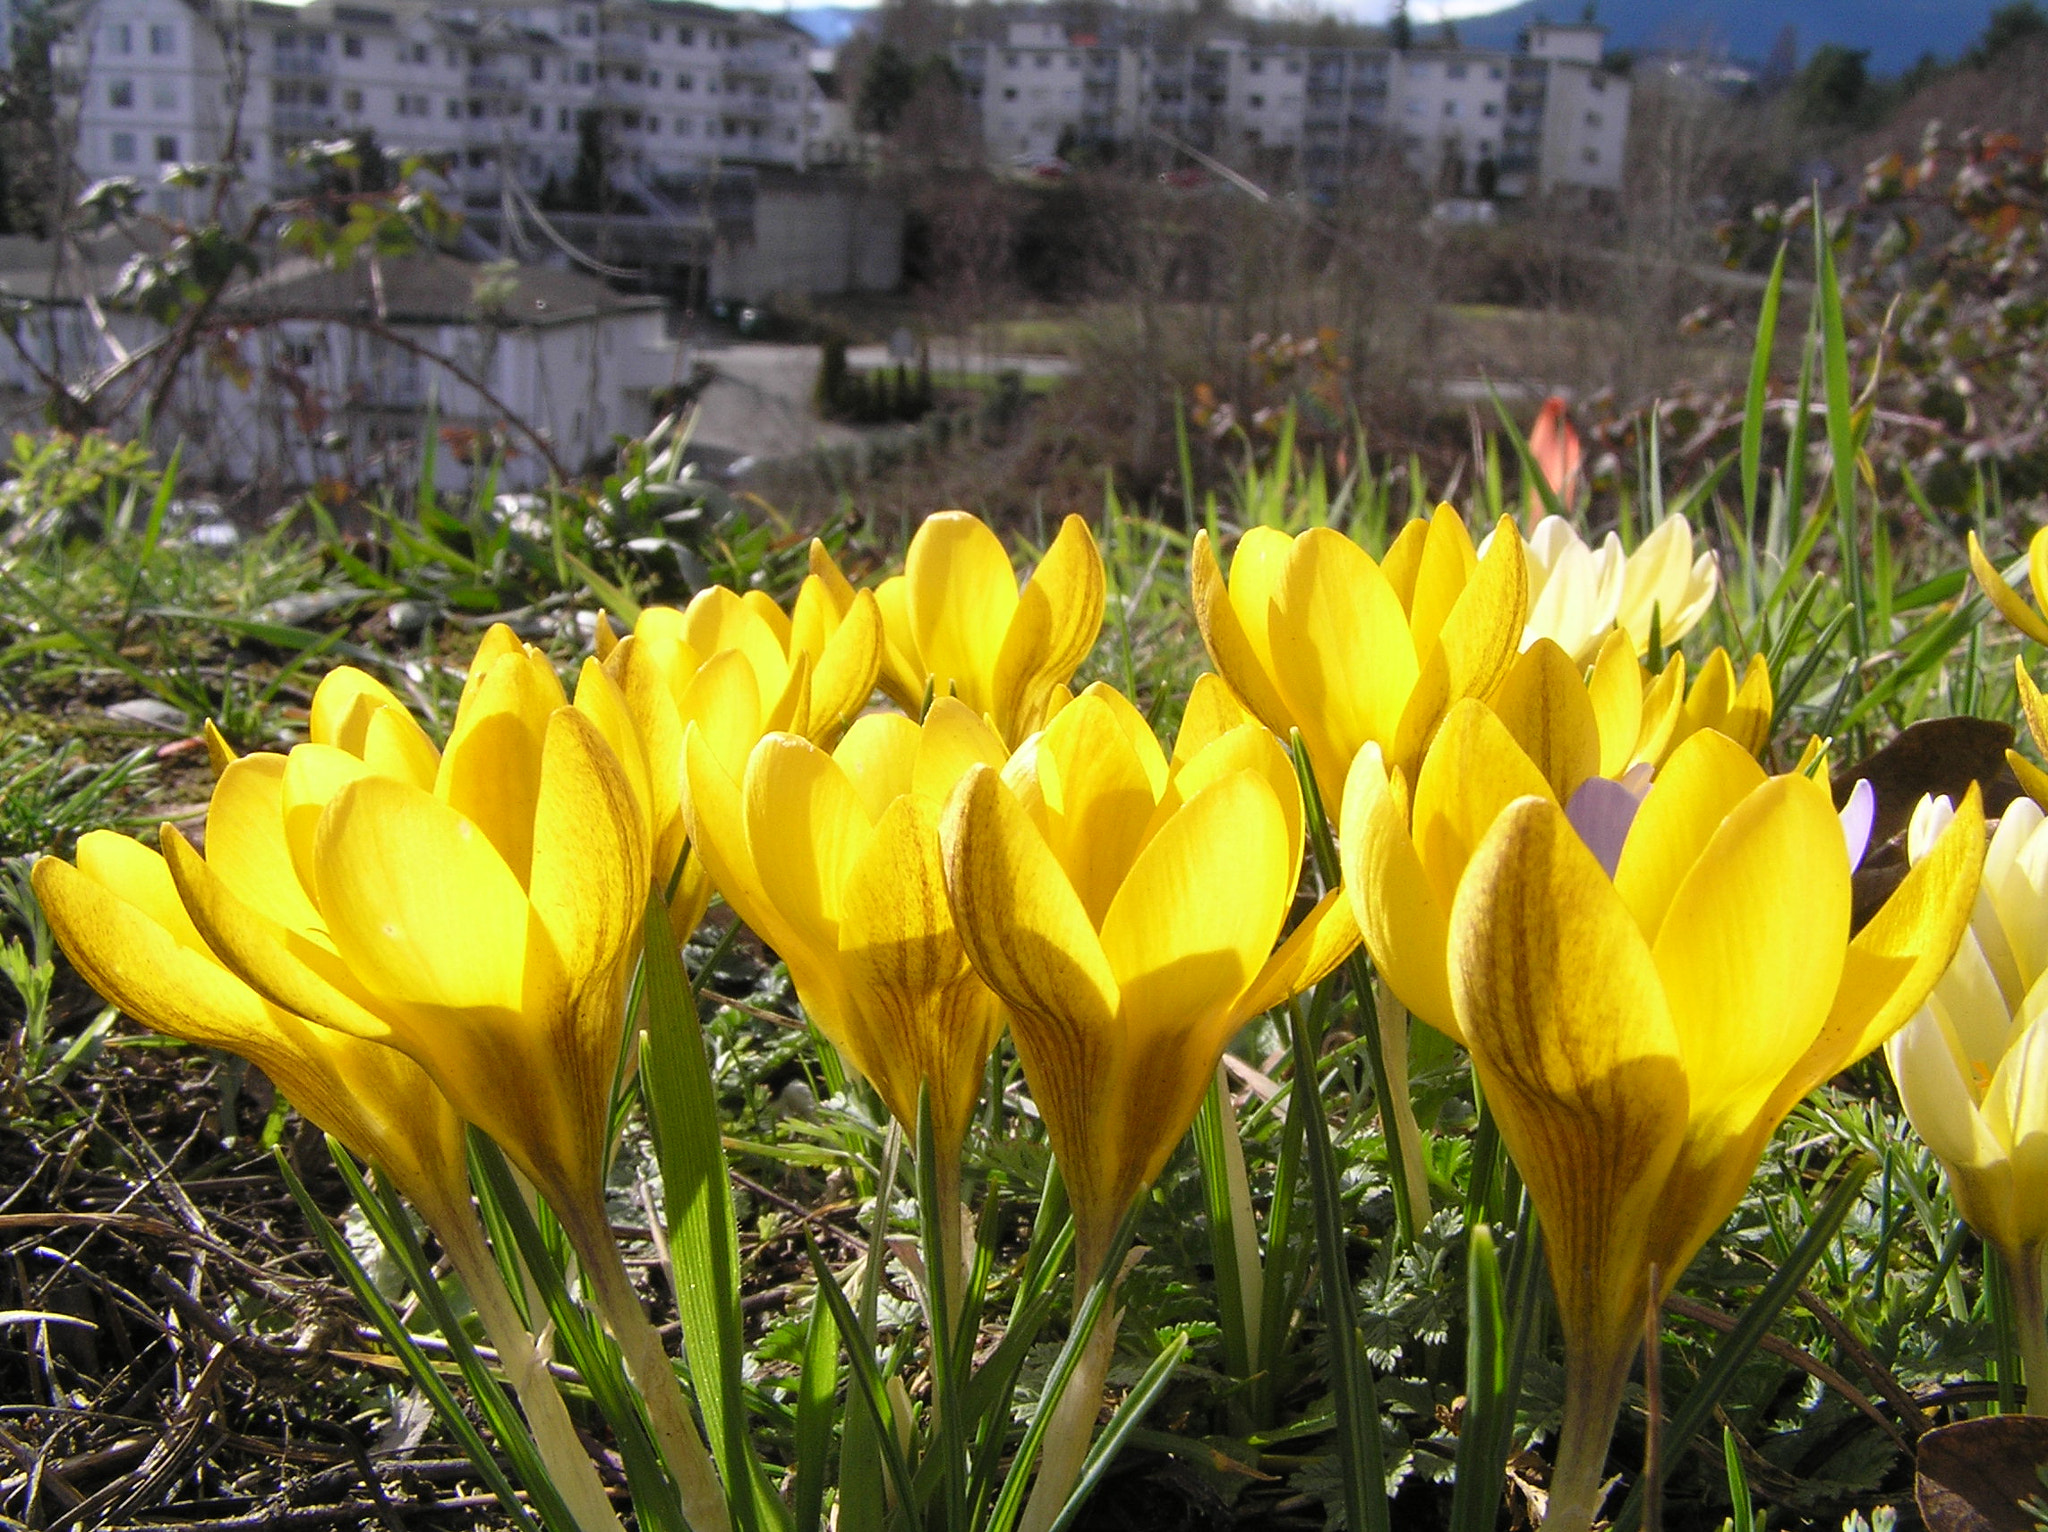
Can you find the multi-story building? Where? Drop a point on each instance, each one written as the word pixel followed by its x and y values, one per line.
pixel 500 94
pixel 1466 122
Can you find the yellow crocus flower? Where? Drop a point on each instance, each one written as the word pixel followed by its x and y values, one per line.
pixel 1578 595
pixel 1127 909
pixel 1313 634
pixel 958 624
pixel 2034 708
pixel 739 668
pixel 118 916
pixel 1546 730
pixel 481 917
pixel 833 860
pixel 1972 1064
pixel 1646 994
pixel 2011 605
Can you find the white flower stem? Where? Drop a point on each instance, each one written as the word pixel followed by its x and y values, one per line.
pixel 2029 1321
pixel 554 1434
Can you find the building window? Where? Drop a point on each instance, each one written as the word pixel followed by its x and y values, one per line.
pixel 1454 71
pixel 654 31
pixel 686 37
pixel 1491 109
pixel 653 124
pixel 1257 66
pixel 122 148
pixel 536 118
pixel 351 46
pixel 1450 108
pixel 686 82
pixel 1592 155
pixel 163 96
pixel 1258 103
pixel 654 77
pixel 583 24
pixel 1009 93
pixel 1593 119
pixel 351 101
pixel 454 110
pixel 120 38
pixel 166 148
pixel 682 127
pixel 121 94
pixel 562 119
pixel 476 107
pixel 1493 72
pixel 1597 84
pixel 163 40
pixel 1294 66
pixel 583 72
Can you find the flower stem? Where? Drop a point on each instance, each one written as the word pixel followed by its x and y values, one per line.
pixel 1595 1378
pixel 647 1362
pixel 1073 1422
pixel 554 1434
pixel 2029 1321
pixel 1398 1110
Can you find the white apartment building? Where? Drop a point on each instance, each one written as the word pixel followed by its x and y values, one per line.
pixel 500 93
pixel 1466 122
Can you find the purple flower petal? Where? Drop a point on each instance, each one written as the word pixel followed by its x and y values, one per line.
pixel 1602 811
pixel 1857 816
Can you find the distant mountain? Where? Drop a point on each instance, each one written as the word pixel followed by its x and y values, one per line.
pixel 1896 32
pixel 831 25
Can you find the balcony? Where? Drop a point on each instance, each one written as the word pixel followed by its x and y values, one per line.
pixel 500 83
pixel 301 66
pixel 622 47
pixel 302 119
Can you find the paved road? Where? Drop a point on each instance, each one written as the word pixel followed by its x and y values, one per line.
pixel 760 402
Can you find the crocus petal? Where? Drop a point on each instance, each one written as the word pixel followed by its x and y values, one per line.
pixel 2008 601
pixel 715 811
pixel 1615 688
pixel 1342 654
pixel 1474 770
pixel 1483 631
pixel 1937 1097
pixel 1698 788
pixel 418 900
pixel 246 845
pixel 1602 810
pixel 923 1014
pixel 1258 565
pixel 333 718
pixel 902 674
pixel 1032 943
pixel 1441 576
pixel 1548 710
pixel 490 772
pixel 1751 947
pixel 961 593
pixel 1212 711
pixel 717 619
pixel 1559 1000
pixel 1857 817
pixel 1404 925
pixel 602 701
pixel 313 774
pixel 291 970
pixel 806 827
pixel 844 671
pixel 589 850
pixel 2033 706
pixel 952 740
pixel 1249 747
pixel 1095 796
pixel 1181 954
pixel 1057 617
pixel 879 757
pixel 1019 918
pixel 1326 936
pixel 1896 958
